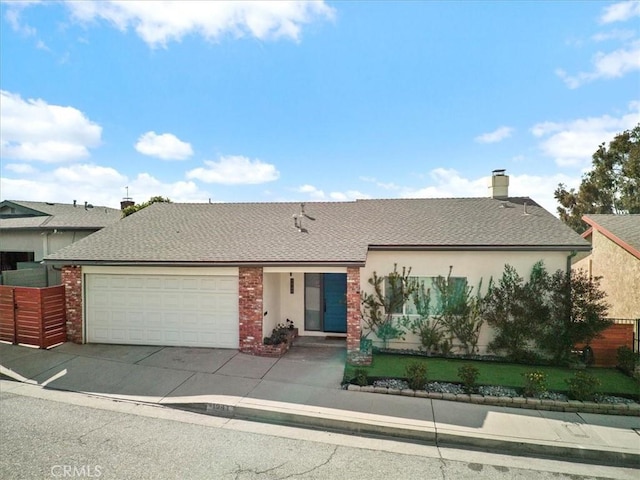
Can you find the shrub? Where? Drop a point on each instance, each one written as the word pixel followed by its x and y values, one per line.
pixel 535 383
pixel 361 377
pixel 583 386
pixel 553 311
pixel 381 308
pixel 458 311
pixel 468 374
pixel 445 347
pixel 430 336
pixel 628 360
pixel 416 373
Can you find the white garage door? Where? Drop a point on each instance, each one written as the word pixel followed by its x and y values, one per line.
pixel 193 311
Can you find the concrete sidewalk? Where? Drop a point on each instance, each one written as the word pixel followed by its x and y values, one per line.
pixel 303 388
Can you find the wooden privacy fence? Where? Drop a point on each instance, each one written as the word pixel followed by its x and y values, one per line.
pixel 605 346
pixel 33 316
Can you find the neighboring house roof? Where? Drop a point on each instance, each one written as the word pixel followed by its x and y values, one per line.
pixel 624 230
pixel 342 233
pixel 16 214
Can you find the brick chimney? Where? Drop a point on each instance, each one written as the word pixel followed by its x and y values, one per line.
pixel 126 202
pixel 499 185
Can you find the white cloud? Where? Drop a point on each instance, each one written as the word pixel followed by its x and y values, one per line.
pixel 23 168
pixel 159 23
pixel 40 45
pixel 13 16
pixel 496 136
pixel 317 194
pixel 348 195
pixel 447 183
pixel 35 130
pixel 165 146
pixel 622 35
pixel 312 191
pixel 235 170
pixel 606 65
pixel 145 186
pixel 97 185
pixel 572 143
pixel 378 183
pixel 620 12
pixel 92 175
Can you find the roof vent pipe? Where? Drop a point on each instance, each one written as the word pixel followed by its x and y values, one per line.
pixel 499 186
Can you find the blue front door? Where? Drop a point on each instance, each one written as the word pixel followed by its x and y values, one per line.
pixel 334 286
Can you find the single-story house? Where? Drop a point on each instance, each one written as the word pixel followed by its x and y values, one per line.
pixel 29 231
pixel 225 274
pixel 615 257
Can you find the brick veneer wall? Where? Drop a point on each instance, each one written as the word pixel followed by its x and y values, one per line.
pixel 354 326
pixel 250 308
pixel 72 281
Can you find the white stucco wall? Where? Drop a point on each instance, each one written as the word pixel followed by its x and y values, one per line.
pixel 271 285
pixel 474 265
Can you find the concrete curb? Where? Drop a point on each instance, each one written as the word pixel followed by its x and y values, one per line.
pixel 406 429
pixel 572 406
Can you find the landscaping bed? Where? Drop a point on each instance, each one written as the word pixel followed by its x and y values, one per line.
pixel 496 383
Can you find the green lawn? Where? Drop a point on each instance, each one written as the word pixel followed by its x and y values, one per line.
pixel 612 381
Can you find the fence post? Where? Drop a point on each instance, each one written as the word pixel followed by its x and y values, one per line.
pixel 15 316
pixel 42 318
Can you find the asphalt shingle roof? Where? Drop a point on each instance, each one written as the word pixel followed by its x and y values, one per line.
pixel 625 227
pixel 61 216
pixel 237 233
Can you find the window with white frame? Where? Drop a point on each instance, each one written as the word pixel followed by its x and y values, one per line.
pixel 455 286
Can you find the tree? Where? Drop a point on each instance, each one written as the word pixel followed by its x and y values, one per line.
pixel 554 312
pixel 381 308
pixel 577 312
pixel 612 185
pixel 459 311
pixel 139 206
pixel 514 309
pixel 428 329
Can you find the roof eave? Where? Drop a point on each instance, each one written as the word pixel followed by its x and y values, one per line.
pixel 611 236
pixel 139 263
pixel 59 228
pixel 484 248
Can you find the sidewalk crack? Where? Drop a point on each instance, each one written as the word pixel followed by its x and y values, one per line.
pixel 177 387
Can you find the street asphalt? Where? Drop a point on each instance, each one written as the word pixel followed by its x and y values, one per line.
pixel 303 389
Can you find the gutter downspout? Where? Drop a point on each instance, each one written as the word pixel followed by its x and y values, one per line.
pixel 569 257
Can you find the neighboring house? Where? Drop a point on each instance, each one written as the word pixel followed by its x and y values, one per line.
pixel 615 257
pixel 29 231
pixel 224 275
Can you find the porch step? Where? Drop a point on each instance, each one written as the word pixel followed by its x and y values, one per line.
pixel 323 342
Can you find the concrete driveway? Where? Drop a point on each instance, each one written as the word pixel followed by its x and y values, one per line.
pixel 160 372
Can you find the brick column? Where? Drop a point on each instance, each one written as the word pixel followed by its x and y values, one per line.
pixel 354 326
pixel 72 281
pixel 250 308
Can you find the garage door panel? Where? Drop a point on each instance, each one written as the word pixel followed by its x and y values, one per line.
pixel 163 310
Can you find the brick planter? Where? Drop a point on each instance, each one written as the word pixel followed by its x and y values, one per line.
pixel 279 350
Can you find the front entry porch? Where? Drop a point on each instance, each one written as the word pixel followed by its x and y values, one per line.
pixel 320 301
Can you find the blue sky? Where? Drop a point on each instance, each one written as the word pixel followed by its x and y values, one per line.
pixel 303 101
